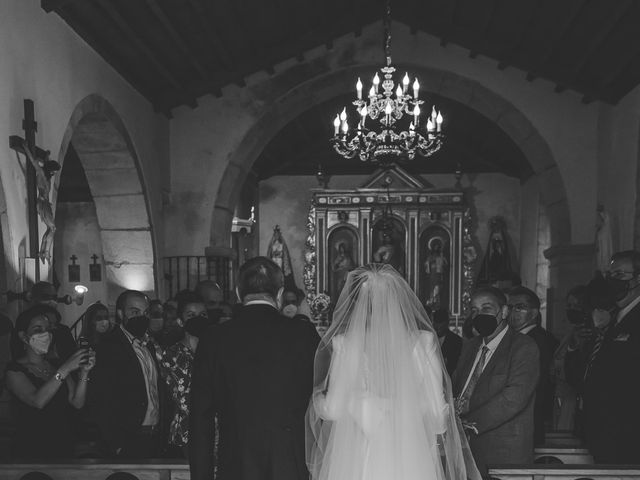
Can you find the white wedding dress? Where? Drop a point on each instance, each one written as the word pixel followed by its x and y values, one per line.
pixel 381 407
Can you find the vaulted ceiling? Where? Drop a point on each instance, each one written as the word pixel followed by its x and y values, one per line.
pixel 174 51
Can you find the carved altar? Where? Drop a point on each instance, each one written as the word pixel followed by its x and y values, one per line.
pixel 393 218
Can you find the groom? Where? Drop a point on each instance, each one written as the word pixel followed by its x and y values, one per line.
pixel 256 374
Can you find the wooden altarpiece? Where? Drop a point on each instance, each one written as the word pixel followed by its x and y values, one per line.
pixel 394 218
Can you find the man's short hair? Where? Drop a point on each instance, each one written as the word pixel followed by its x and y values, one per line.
pixel 122 298
pixel 260 275
pixel 187 299
pixel 530 295
pixel 632 255
pixel 494 292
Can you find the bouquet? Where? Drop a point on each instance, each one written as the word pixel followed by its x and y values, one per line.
pixel 320 306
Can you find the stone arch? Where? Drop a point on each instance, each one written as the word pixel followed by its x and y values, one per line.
pixel 115 179
pixel 320 88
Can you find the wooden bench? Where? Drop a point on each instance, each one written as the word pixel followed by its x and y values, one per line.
pixel 99 469
pixel 563 455
pixel 565 472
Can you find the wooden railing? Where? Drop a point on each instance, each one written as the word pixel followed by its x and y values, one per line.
pixel 97 470
pixel 565 472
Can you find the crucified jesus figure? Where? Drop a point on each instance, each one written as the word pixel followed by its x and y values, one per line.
pixel 45 170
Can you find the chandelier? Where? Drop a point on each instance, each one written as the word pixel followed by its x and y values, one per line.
pixel 388 107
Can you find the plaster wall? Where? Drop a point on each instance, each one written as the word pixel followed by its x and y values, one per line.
pixel 78 233
pixel 285 200
pixel 204 140
pixel 44 60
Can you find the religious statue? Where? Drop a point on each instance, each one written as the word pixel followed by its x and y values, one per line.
pixel 278 252
pixel 45 169
pixel 497 261
pixel 435 266
pixel 341 266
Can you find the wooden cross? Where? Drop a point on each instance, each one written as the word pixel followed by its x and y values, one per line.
pixel 94 257
pixel 30 127
pixel 73 259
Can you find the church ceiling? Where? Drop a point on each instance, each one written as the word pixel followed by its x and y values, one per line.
pixel 174 51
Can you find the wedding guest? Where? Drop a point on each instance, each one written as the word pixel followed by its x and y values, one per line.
pixel 156 319
pixel 524 317
pixel 63 344
pixel 602 364
pixel 212 295
pixel 96 324
pixel 256 374
pixel 172 332
pixel 177 364
pixel 494 384
pixel 43 392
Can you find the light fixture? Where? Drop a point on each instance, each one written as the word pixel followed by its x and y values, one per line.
pixel 389 108
pixel 78 294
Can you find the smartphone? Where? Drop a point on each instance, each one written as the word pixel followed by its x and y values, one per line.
pixel 83 343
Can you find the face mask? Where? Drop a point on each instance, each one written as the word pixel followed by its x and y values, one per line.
pixel 576 317
pixel 601 318
pixel 137 326
pixel 214 314
pixel 290 310
pixel 485 324
pixel 156 324
pixel 40 342
pixel 103 326
pixel 619 288
pixel 196 326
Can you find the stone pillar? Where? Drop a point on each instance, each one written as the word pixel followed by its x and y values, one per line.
pixel 569 265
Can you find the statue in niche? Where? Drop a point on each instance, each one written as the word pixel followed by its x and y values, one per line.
pixel 436 266
pixel 341 266
pixel 497 261
pixel 387 241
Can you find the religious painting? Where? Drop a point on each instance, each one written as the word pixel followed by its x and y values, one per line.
pixel 343 254
pixel 435 263
pixel 389 240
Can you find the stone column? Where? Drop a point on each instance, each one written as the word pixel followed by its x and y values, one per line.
pixel 569 265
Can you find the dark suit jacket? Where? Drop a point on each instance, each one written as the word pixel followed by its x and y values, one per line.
pixel 611 392
pixel 256 373
pixel 501 405
pixel 117 391
pixel 543 407
pixel 451 349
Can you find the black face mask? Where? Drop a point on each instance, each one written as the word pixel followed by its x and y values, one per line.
pixel 214 314
pixel 619 288
pixel 576 317
pixel 196 326
pixel 137 326
pixel 485 324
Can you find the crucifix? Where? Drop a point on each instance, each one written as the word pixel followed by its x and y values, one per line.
pixel 39 173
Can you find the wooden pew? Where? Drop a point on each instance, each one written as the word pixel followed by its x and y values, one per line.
pixel 565 455
pixel 565 472
pixel 100 469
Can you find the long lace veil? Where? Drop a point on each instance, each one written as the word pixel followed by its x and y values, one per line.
pixel 382 406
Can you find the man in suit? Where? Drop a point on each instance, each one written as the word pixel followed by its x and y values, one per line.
pixel 450 343
pixel 256 374
pixel 126 392
pixel 602 366
pixel 524 317
pixel 494 384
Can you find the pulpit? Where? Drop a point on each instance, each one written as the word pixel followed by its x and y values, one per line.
pixel 398 219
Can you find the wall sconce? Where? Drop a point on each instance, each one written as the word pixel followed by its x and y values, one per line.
pixel 74 270
pixel 95 270
pixel 78 294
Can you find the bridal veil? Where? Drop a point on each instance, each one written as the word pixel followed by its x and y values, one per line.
pixel 382 407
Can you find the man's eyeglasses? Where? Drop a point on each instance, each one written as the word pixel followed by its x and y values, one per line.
pixel 520 307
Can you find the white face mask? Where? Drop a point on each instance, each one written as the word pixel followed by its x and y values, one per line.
pixel 40 342
pixel 290 310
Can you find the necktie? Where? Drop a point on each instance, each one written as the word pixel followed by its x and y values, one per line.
pixel 597 345
pixel 463 401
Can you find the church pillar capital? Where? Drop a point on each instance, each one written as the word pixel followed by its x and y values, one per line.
pixel 569 265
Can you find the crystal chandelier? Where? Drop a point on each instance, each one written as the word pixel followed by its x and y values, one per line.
pixel 389 108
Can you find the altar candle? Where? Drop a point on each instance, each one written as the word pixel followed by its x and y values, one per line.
pixel 363 113
pixel 416 113
pixel 372 92
pixel 439 122
pixel 359 89
pixel 429 125
pixel 388 110
pixel 399 92
pixel 434 115
pixel 336 124
pixel 345 127
pixel 376 81
pixel 416 87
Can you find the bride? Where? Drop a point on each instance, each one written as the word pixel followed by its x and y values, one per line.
pixel 381 407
